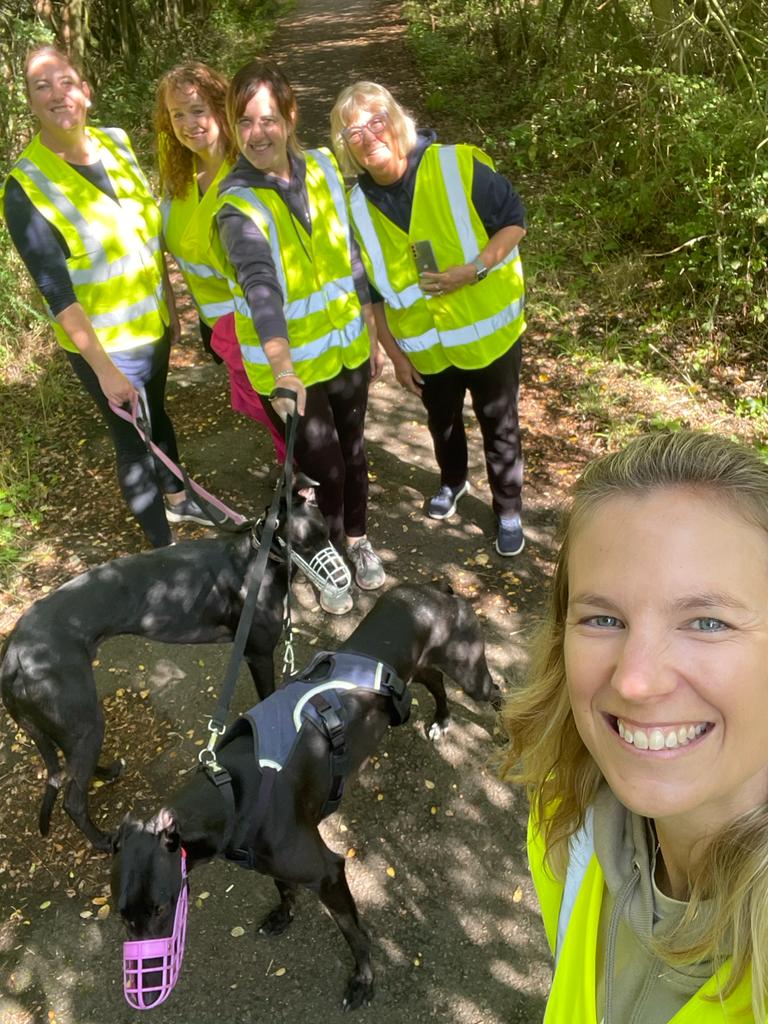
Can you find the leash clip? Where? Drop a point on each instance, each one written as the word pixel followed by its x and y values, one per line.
pixel 209 762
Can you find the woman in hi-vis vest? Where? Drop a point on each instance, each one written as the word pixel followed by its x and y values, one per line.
pixel 81 215
pixel 438 230
pixel 640 736
pixel 302 309
pixel 193 141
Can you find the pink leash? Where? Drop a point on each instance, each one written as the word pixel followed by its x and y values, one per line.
pixel 132 417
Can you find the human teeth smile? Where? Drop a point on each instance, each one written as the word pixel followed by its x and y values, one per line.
pixel 660 737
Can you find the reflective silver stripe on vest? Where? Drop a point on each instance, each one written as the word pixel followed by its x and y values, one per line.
pixel 126 314
pixel 297 309
pixel 581 847
pixel 198 269
pixel 246 194
pixel 101 269
pixel 457 199
pixel 364 224
pixel 65 206
pixel 334 185
pixel 165 212
pixel 341 337
pixel 127 154
pixel 463 335
pixel 217 309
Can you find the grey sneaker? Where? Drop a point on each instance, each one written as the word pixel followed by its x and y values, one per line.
pixel 369 572
pixel 188 511
pixel 443 504
pixel 336 602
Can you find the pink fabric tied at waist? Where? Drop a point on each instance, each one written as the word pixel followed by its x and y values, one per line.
pixel 242 396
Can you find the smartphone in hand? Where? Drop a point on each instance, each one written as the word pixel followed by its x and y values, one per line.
pixel 424 257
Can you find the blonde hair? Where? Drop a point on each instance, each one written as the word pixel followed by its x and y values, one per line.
pixel 370 97
pixel 176 163
pixel 546 753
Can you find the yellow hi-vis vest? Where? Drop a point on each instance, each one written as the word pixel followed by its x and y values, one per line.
pixel 115 258
pixel 187 235
pixel 471 327
pixel 571 913
pixel 326 330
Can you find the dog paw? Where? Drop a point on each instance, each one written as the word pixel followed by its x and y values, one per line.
pixel 359 993
pixel 437 730
pixel 276 922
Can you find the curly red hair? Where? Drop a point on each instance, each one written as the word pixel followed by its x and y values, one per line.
pixel 175 161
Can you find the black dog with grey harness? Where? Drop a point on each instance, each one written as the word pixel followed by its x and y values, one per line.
pixel 264 803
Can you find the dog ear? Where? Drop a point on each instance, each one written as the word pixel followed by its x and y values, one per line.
pixel 117 838
pixel 166 828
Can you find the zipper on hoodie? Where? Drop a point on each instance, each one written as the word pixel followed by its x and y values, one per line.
pixel 623 898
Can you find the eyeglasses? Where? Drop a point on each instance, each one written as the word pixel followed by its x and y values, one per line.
pixel 354 134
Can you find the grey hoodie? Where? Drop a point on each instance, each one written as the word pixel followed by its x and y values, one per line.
pixel 633 985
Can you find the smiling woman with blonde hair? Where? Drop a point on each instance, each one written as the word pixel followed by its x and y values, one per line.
pixel 80 213
pixel 439 230
pixel 640 736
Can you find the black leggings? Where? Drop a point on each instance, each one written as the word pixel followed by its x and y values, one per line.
pixel 330 449
pixel 143 479
pixel 494 390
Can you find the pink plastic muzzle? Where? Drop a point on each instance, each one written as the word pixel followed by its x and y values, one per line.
pixel 151 967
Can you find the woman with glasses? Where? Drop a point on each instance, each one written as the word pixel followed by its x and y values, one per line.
pixel 302 307
pixel 439 230
pixel 79 211
pixel 193 148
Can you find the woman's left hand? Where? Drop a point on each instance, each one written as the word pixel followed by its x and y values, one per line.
pixel 377 361
pixel 446 281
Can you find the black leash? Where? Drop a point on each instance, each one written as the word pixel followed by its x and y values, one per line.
pixel 253 581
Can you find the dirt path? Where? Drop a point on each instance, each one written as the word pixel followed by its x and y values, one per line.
pixel 456 933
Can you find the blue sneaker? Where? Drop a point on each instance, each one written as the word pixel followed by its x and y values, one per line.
pixel 510 539
pixel 443 504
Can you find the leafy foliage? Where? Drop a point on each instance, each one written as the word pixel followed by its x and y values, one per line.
pixel 641 131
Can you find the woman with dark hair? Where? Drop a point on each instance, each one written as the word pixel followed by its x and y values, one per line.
pixel 80 213
pixel 639 735
pixel 194 155
pixel 302 308
pixel 439 230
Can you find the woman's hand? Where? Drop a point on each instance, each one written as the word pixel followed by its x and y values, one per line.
pixel 116 386
pixel 377 361
pixel 408 376
pixel 446 281
pixel 285 407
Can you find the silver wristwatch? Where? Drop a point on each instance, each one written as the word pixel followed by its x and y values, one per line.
pixel 481 271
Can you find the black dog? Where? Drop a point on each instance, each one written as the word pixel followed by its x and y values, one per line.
pixel 189 593
pixel 268 819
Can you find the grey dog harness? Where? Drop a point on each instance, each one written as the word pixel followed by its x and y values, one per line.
pixel 313 700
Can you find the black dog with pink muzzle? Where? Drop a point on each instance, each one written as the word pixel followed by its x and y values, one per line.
pixel 267 819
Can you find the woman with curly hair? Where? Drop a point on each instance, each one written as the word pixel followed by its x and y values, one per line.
pixel 193 148
pixel 640 737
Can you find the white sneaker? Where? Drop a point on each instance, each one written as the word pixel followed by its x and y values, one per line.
pixel 336 602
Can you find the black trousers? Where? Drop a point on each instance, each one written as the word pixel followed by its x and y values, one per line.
pixel 330 449
pixel 494 391
pixel 143 480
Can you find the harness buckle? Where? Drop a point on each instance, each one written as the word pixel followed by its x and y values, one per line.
pixel 207 756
